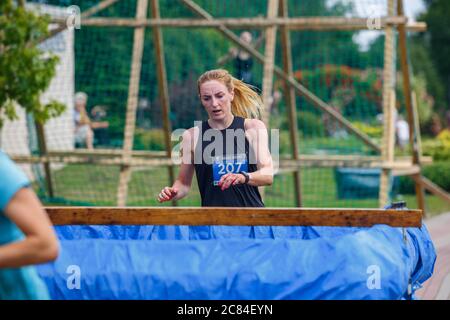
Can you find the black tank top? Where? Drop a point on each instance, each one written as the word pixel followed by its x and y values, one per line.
pixel 209 166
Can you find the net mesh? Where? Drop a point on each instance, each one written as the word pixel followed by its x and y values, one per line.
pixel 343 68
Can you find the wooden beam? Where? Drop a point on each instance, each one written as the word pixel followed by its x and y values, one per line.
pixel 133 92
pixel 413 170
pixel 303 161
pixel 43 152
pixel 269 61
pixel 414 129
pixel 432 187
pixel 268 64
pixel 300 89
pixel 97 8
pixel 290 99
pixel 293 23
pixel 101 153
pixel 387 144
pixel 233 216
pixel 163 87
pixel 62 25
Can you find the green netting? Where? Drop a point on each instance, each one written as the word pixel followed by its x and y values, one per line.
pixel 343 68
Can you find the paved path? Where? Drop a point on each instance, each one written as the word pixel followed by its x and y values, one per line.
pixel 438 286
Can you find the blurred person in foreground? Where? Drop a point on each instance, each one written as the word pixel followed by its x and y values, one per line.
pixel 26 236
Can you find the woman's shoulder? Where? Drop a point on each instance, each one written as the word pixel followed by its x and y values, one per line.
pixel 13 179
pixel 254 124
pixel 191 135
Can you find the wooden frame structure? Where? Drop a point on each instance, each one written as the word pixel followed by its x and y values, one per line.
pixel 277 19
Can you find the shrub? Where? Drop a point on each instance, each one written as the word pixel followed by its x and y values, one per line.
pixel 371 131
pixel 438 172
pixel 438 148
pixel 309 124
pixel 25 70
pixel 149 140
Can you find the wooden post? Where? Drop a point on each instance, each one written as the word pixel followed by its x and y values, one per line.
pixel 414 129
pixel 43 152
pixel 416 126
pixel 289 94
pixel 269 61
pixel 387 146
pixel 193 216
pixel 163 87
pixel 133 91
pixel 268 64
pixel 433 188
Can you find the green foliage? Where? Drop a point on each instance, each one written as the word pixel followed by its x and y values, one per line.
pixel 438 26
pixel 424 67
pixel 309 124
pixel 371 130
pixel 438 172
pixel 25 71
pixel 149 140
pixel 425 102
pixel 285 143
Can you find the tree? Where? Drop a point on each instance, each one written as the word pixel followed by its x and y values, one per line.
pixel 438 41
pixel 25 70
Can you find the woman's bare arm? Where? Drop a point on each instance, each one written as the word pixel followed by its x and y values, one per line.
pixel 182 184
pixel 258 138
pixel 256 133
pixel 40 244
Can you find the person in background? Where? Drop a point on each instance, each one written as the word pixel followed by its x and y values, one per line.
pixel 229 168
pixel 402 132
pixel 26 236
pixel 84 136
pixel 243 61
pixel 99 125
pixel 84 127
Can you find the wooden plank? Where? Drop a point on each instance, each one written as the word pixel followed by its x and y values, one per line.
pixel 97 8
pixel 304 161
pixel 84 15
pixel 268 64
pixel 300 89
pixel 107 153
pixel 387 142
pixel 233 216
pixel 269 61
pixel 163 87
pixel 414 129
pixel 229 56
pixel 293 23
pixel 290 99
pixel 433 188
pixel 133 91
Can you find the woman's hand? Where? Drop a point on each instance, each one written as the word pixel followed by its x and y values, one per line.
pixel 167 194
pixel 230 179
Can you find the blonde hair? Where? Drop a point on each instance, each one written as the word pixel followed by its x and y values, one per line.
pixel 246 103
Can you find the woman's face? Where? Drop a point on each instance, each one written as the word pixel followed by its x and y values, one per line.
pixel 216 99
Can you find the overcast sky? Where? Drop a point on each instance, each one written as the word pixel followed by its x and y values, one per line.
pixel 372 8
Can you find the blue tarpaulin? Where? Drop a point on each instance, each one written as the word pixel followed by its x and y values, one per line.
pixel 225 262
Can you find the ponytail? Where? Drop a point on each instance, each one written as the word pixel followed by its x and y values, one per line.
pixel 247 102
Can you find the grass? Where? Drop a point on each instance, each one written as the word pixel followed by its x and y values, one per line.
pixel 97 185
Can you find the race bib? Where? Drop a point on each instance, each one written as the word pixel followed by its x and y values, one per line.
pixel 228 164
